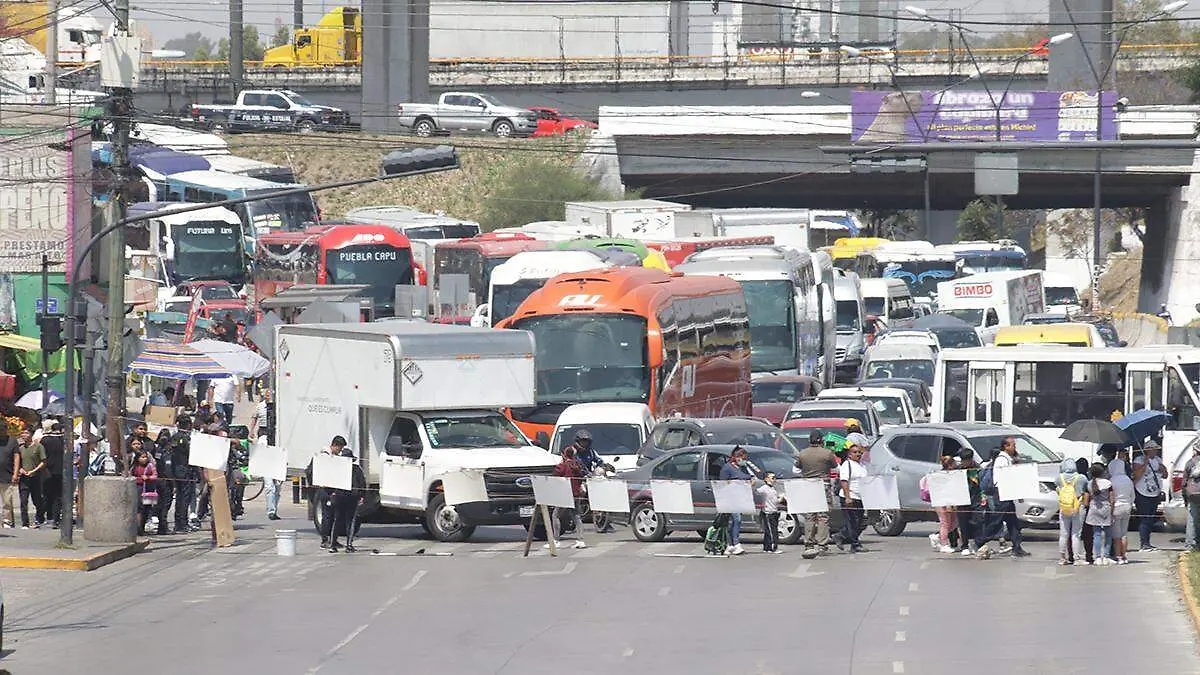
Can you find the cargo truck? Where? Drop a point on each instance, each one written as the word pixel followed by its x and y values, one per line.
pixel 409 392
pixel 336 40
pixel 642 219
pixel 993 299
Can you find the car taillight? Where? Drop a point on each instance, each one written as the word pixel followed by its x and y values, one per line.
pixel 1177 482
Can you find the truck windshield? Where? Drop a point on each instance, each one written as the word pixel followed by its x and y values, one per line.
pixel 590 358
pixel 971 316
pixel 293 212
pixel 380 266
pixel 607 438
pixel 506 298
pixel 772 325
pixel 873 306
pixel 472 430
pixel 1061 295
pixel 208 251
pixel 922 276
pixel 847 317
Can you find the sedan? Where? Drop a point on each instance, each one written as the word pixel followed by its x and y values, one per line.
pixel 551 122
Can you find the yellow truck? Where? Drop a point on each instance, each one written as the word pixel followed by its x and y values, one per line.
pixel 79 33
pixel 335 41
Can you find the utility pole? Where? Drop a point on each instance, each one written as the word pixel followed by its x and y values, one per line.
pixel 121 108
pixel 51 55
pixel 297 14
pixel 236 42
pixel 42 322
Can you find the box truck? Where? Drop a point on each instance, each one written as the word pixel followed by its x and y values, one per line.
pixel 633 219
pixel 993 299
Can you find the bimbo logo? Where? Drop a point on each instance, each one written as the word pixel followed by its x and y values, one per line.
pixel 973 291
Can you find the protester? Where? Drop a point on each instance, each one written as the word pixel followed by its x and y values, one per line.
pixel 10 476
pixel 183 479
pixel 1148 476
pixel 854 435
pixel 262 428
pixel 140 431
pixel 1123 499
pixel 988 525
pixel 52 442
pixel 1008 457
pixel 1191 496
pixel 345 504
pixel 946 538
pixel 1071 488
pixel 769 514
pixel 966 513
pixel 817 462
pixel 325 500
pixel 737 468
pixel 1099 512
pixel 1083 468
pixel 33 462
pixel 146 475
pixel 222 393
pixel 571 468
pixel 850 474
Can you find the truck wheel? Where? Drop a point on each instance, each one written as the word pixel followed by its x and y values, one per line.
pixel 219 126
pixel 444 521
pixel 502 128
pixel 305 126
pixel 424 128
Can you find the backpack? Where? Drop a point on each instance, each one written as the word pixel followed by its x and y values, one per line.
pixel 716 540
pixel 987 481
pixel 1069 498
pixel 96 466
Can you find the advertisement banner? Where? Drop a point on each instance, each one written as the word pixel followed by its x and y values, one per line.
pixel 928 116
pixel 39 198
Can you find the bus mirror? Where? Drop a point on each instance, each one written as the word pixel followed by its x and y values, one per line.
pixel 420 160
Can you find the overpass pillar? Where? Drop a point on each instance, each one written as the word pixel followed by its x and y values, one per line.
pixel 1170 273
pixel 395 59
pixel 1091 22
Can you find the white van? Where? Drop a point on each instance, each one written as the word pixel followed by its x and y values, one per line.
pixel 1061 294
pixel 888 361
pixel 887 299
pixel 617 429
pixel 849 319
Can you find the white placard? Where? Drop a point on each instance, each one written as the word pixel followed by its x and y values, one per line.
pixel 1019 481
pixel 404 481
pixel 948 488
pixel 268 461
pixel 332 471
pixel 733 496
pixel 879 493
pixel 607 495
pixel 672 496
pixel 805 495
pixel 553 491
pixel 464 487
pixel 208 451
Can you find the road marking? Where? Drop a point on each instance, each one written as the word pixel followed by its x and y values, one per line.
pixel 925 565
pixel 801 572
pixel 913 587
pixel 374 615
pixel 627 653
pixel 570 567
pixel 662 592
pixel 1050 572
pixel 901 636
pixel 413 583
pixel 897 666
pixel 679 569
pixel 597 550
pixel 904 611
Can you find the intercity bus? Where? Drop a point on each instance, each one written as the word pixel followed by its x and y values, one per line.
pixel 476 258
pixel 292 212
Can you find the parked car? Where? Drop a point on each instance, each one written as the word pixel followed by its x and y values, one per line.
pixel 892 404
pixel 918 392
pixel 773 395
pixel 863 411
pixel 550 122
pixel 467 111
pixel 911 451
pixel 701 465
pixel 618 430
pixel 1175 510
pixel 679 432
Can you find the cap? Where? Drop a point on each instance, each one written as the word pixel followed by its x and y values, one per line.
pixel 852 423
pixel 583 435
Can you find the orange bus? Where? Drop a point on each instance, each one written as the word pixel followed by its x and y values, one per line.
pixel 681 345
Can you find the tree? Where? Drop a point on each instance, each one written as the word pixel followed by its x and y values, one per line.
pixel 252 49
pixel 191 45
pixel 534 188
pixel 1164 31
pixel 897 225
pixel 283 36
pixel 978 222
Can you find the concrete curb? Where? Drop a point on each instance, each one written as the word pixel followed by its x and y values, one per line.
pixel 85 564
pixel 1189 593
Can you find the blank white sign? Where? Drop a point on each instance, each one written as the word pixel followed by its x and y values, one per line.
pixel 672 496
pixel 208 451
pixel 609 496
pixel 879 493
pixel 464 487
pixel 332 471
pixel 805 495
pixel 733 496
pixel 948 488
pixel 1019 481
pixel 404 481
pixel 268 461
pixel 553 491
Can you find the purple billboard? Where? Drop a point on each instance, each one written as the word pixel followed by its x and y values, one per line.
pixel 925 116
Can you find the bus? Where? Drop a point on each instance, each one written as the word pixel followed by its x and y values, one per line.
pixel 844 251
pixel 476 258
pixel 1044 388
pixel 781 298
pixel 292 212
pixel 204 245
pixel 678 344
pixel 920 271
pixel 975 257
pixel 350 254
pixel 526 272
pixel 425 231
pixel 649 257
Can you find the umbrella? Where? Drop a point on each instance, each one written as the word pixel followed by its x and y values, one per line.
pixel 163 358
pixel 1094 431
pixel 235 358
pixel 59 406
pixel 1142 423
pixel 32 400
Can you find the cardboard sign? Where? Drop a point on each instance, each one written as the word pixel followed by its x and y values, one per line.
pixel 208 451
pixel 672 496
pixel 553 491
pixel 733 496
pixel 1019 481
pixel 608 496
pixel 332 471
pixel 805 495
pixel 268 461
pixel 948 488
pixel 405 481
pixel 464 487
pixel 879 493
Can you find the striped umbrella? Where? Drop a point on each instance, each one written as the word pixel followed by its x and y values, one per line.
pixel 163 358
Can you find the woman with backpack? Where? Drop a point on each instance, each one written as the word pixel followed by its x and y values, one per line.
pixel 1100 512
pixel 1071 488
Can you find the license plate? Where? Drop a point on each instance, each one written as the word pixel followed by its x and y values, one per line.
pixel 527 511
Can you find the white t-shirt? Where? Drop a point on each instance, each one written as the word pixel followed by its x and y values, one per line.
pixel 852 472
pixel 770 498
pixel 1122 486
pixel 224 390
pixel 1150 484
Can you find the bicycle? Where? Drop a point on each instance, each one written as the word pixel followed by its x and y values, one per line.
pixel 254 485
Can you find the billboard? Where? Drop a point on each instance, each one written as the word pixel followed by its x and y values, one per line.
pixel 41 197
pixel 927 116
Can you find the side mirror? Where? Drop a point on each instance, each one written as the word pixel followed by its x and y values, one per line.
pixel 542 440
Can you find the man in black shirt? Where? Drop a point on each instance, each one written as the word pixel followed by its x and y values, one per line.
pixel 52 441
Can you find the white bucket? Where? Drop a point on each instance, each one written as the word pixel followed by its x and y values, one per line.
pixel 285 542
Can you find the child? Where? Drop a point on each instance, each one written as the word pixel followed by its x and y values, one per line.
pixel 946 538
pixel 1100 513
pixel 769 514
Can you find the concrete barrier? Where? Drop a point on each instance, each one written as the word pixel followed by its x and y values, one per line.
pixel 1140 330
pixel 111 503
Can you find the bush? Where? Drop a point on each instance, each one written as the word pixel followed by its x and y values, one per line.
pixel 534 188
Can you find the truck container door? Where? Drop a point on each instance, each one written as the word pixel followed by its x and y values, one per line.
pixel 404 445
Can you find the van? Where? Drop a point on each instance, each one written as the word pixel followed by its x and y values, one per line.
pixel 888 299
pixel 849 320
pixel 888 361
pixel 1061 294
pixel 1067 334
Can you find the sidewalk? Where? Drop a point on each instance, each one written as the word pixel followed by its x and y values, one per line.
pixel 37 549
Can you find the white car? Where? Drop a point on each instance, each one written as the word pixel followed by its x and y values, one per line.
pixel 910 337
pixel 892 404
pixel 618 430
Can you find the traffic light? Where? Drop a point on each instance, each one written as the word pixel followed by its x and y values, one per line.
pixel 420 160
pixel 52 337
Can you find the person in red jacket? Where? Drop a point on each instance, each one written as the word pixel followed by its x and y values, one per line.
pixel 146 473
pixel 570 467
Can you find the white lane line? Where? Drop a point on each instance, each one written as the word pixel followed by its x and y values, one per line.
pixel 901 636
pixel 904 611
pixel 374 615
pixel 627 653
pixel 679 569
pixel 897 666
pixel 914 587
pixel 570 567
pixel 662 592
pixel 925 565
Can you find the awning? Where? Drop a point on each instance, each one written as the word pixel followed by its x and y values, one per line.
pixel 172 360
pixel 20 342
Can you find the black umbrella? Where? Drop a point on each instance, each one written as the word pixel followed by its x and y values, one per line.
pixel 1094 431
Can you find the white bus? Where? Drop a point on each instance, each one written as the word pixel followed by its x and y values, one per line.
pixel 1043 388
pixel 518 277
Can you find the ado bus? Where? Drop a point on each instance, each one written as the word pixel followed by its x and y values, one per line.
pixel 679 344
pixel 374 255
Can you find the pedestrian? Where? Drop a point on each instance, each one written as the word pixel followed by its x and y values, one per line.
pixel 145 473
pixel 817 462
pixel 1008 509
pixel 323 496
pixel 1099 512
pixel 737 468
pixel 33 461
pixel 222 393
pixel 850 474
pixel 570 468
pixel 769 513
pixel 262 428
pixel 10 476
pixel 1071 488
pixel 945 540
pixel 1191 496
pixel 1123 499
pixel 164 398
pixel 229 328
pixel 216 424
pixel 966 515
pixel 183 477
pixel 1082 468
pixel 140 431
pixel 1148 476
pixel 989 520
pixel 102 462
pixel 53 443
pixel 164 464
pixel 345 505
pixel 854 434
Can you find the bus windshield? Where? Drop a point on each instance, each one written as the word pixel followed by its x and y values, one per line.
pixel 772 325
pixel 992 263
pixel 922 276
pixel 506 298
pixel 208 251
pixel 380 266
pixel 847 316
pixel 293 212
pixel 590 358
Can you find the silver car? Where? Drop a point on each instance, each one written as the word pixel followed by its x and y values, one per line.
pixel 913 450
pixel 1174 510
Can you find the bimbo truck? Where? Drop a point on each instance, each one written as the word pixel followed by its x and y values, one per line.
pixel 993 299
pixel 407 392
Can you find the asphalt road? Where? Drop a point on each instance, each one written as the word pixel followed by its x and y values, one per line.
pixel 616 606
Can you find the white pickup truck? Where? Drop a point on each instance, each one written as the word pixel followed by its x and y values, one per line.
pixel 466 111
pixel 416 394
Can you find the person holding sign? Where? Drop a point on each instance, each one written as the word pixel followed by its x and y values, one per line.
pixel 571 469
pixel 322 495
pixel 345 503
pixel 1008 510
pixel 738 467
pixel 850 474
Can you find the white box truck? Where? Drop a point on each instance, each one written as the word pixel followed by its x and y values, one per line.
pixel 631 219
pixel 409 392
pixel 993 299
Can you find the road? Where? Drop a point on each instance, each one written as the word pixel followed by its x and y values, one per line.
pixel 616 606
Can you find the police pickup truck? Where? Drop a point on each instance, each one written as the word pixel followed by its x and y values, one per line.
pixel 267 110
